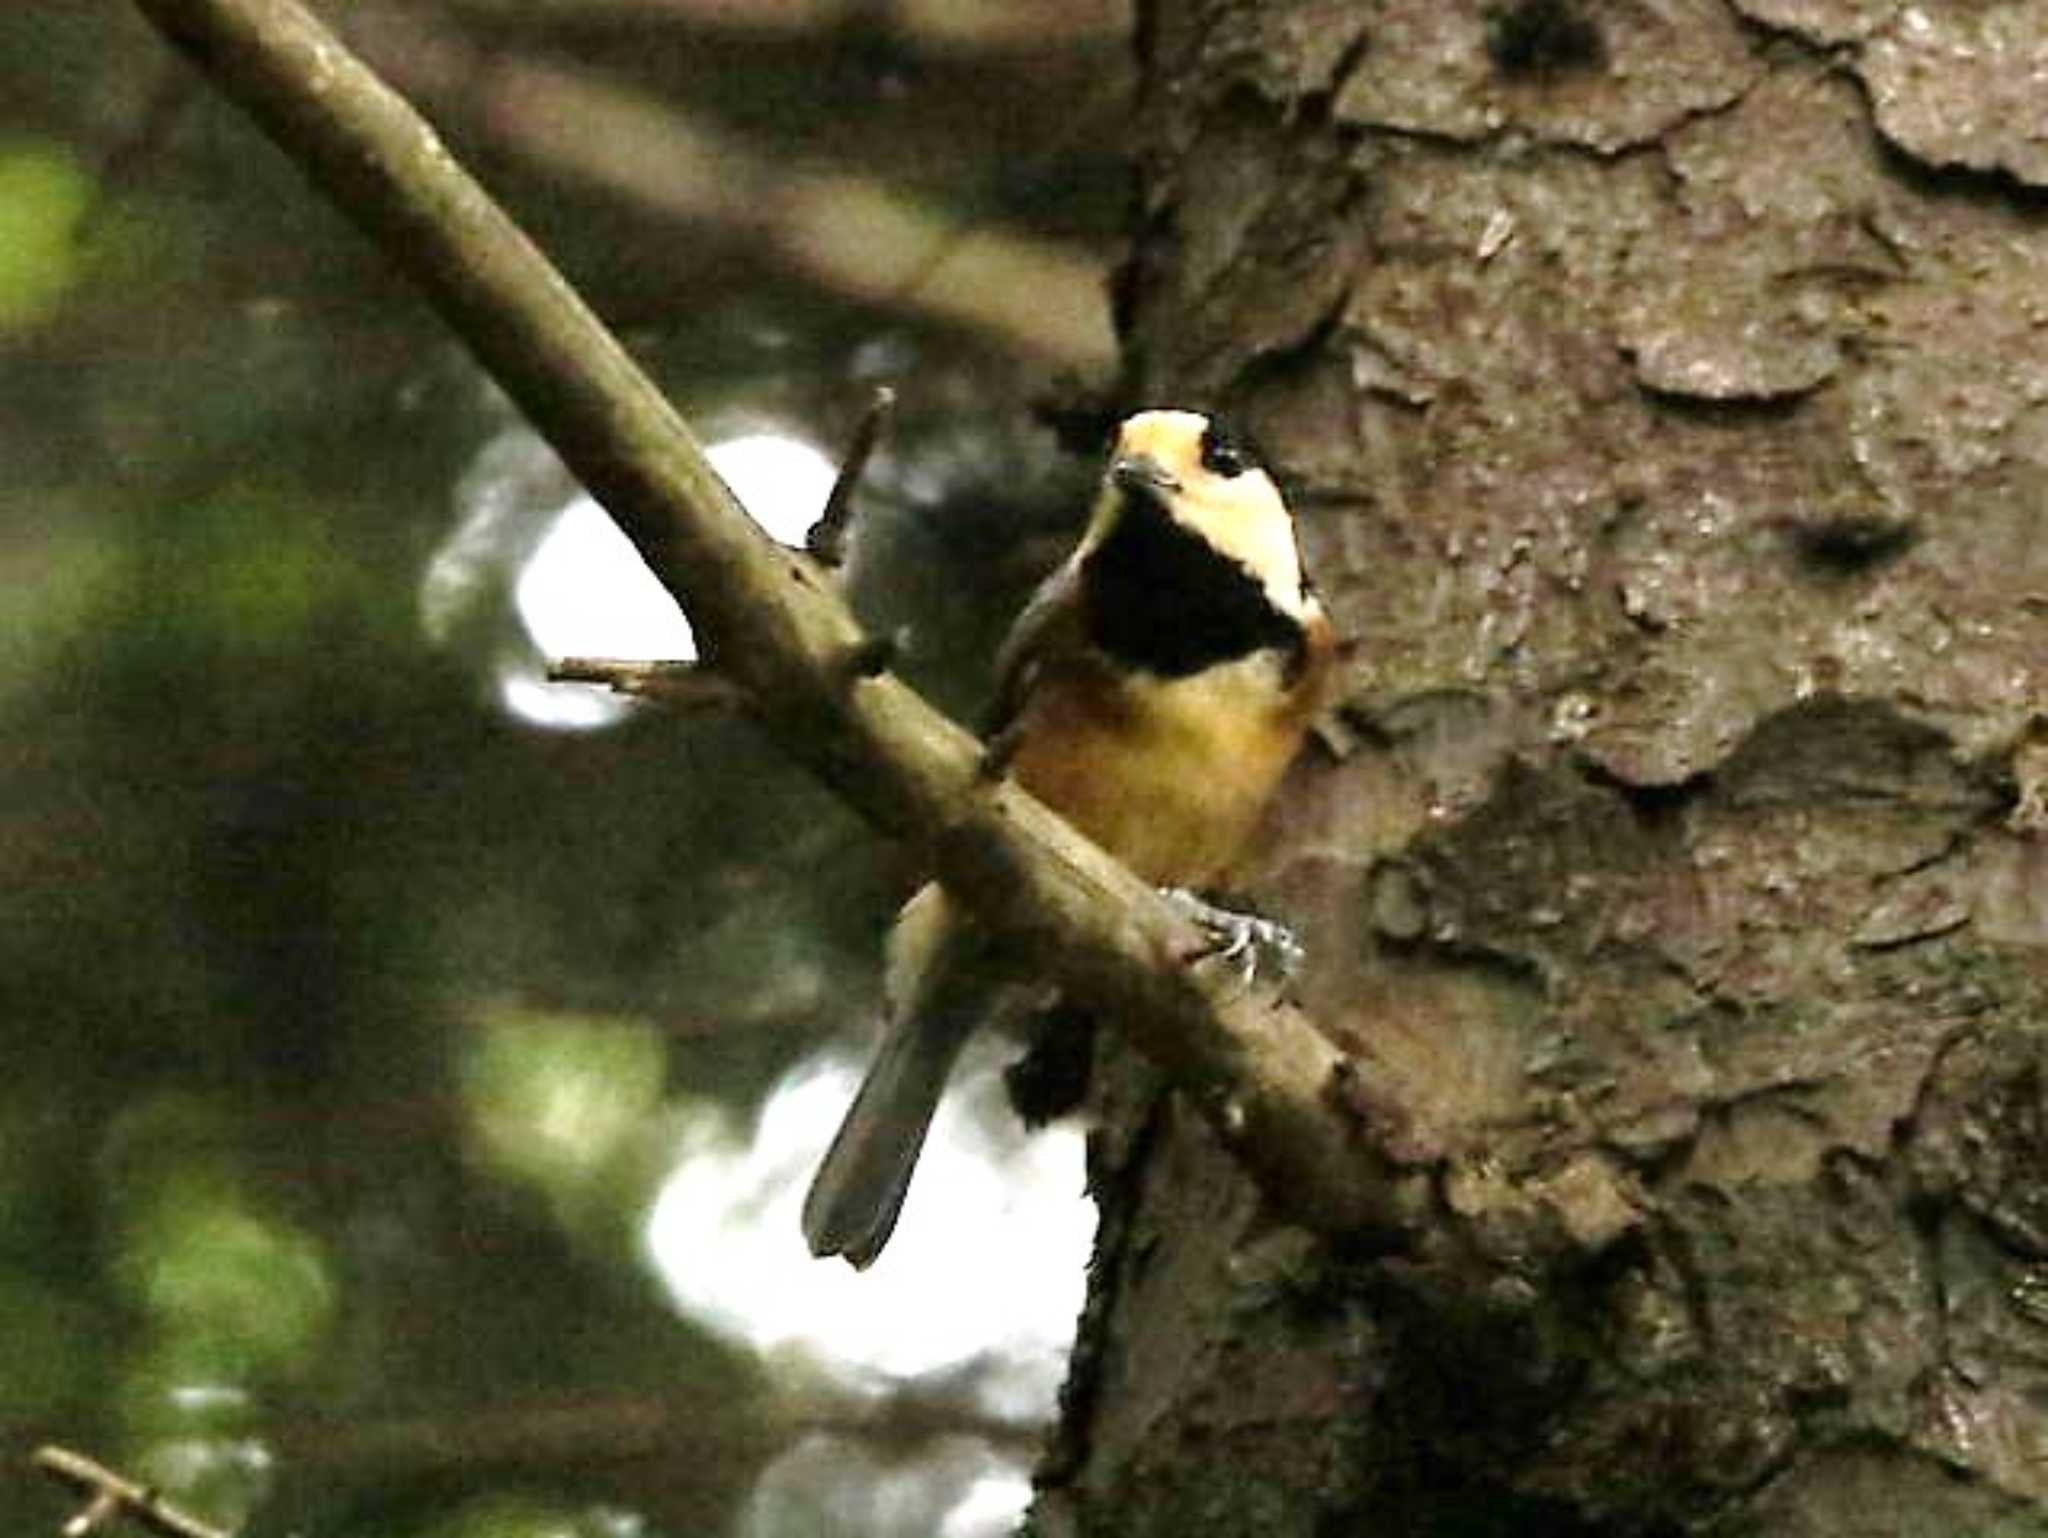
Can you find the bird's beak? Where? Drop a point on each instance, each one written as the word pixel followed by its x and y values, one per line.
pixel 1142 473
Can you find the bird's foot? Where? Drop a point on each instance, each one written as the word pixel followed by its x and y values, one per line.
pixel 1259 947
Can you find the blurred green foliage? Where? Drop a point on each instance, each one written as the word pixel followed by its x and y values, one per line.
pixel 553 1101
pixel 43 194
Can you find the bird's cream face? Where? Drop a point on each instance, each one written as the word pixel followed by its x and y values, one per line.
pixel 1211 488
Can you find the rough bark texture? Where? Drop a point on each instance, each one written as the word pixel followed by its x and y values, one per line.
pixel 1664 388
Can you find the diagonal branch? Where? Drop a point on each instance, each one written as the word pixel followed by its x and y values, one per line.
pixel 1274 1088
pixel 1042 298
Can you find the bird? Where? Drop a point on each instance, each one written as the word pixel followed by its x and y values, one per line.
pixel 1153 691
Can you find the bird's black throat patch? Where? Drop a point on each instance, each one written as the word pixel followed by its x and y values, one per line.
pixel 1158 597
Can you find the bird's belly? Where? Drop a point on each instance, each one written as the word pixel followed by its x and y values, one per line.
pixel 1170 776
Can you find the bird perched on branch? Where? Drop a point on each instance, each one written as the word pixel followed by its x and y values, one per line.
pixel 1153 692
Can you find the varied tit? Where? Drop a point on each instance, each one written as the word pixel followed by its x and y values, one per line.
pixel 1153 692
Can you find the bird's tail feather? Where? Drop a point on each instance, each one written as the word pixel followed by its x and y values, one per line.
pixel 946 980
pixel 858 1191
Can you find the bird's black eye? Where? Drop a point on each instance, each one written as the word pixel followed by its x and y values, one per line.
pixel 1223 455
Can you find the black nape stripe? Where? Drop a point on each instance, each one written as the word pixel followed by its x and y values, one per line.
pixel 1158 597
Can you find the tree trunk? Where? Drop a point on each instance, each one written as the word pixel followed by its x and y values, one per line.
pixel 1662 385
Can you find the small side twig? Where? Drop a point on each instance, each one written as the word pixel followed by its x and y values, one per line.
pixel 996 754
pixel 687 684
pixel 108 1495
pixel 826 541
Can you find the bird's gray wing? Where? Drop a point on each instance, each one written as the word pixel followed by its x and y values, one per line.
pixel 1049 624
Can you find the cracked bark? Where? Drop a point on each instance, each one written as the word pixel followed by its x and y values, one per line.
pixel 1670 444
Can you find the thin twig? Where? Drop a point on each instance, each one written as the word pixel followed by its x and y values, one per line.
pixel 108 1494
pixel 826 540
pixel 687 684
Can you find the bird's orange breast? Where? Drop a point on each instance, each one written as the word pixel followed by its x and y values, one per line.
pixel 1172 776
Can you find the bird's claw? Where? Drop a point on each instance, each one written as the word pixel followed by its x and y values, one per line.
pixel 1256 945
